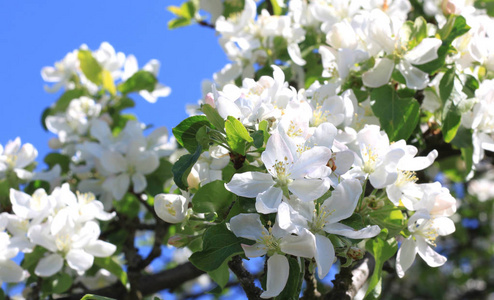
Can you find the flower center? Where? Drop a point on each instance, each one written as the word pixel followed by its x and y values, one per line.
pixel 370 160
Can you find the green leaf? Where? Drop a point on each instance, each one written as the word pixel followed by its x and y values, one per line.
pixel 157 179
pixel 213 198
pixel 47 112
pixel 214 117
pixel 186 131
pixel 382 250
pixel 221 275
pixel 57 284
pixel 447 84
pixel 264 126
pixel 455 26
pixel 185 14
pixel 36 184
pixel 237 135
pixel 470 85
pixel 258 138
pixel 451 123
pixel 389 217
pixel 186 10
pixel 398 116
pixel 179 22
pixel 31 260
pixel 276 8
pixel 294 282
pixel 219 244
pixel 182 167
pixel 95 297
pixel 54 158
pixel 110 264
pixel 231 7
pixel 488 5
pixel 140 80
pixel 123 103
pixel 90 66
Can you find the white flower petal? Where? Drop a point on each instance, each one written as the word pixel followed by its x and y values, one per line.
pixel 415 78
pixel 424 52
pixel 344 230
pixel 249 184
pixel 113 162
pixel 302 245
pixel 11 272
pixel 309 189
pixel 248 226
pixel 278 270
pixel 100 248
pixel 405 257
pixel 309 161
pixel 380 74
pixel 324 255
pixel 79 260
pixel 49 265
pixel 139 182
pixel 267 202
pixel 431 257
pixel 343 200
pixel 295 55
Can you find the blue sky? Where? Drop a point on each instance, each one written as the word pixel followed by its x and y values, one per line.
pixel 34 34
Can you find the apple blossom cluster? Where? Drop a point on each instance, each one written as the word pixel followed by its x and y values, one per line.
pixel 80 67
pixel 17 160
pixel 62 226
pixel 367 46
pixel 108 151
pixel 310 178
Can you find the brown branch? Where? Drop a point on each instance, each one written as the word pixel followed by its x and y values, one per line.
pixel 311 291
pixel 148 284
pixel 245 278
pixel 350 280
pixel 206 24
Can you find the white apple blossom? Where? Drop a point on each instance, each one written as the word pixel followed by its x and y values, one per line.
pixel 172 208
pixel 424 230
pixel 305 218
pixel 16 158
pixel 287 172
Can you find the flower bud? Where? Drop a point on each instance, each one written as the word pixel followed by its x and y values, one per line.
pixel 355 253
pixel 451 7
pixel 54 143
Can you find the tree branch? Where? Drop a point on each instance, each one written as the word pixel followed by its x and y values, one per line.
pixel 350 280
pixel 245 278
pixel 147 284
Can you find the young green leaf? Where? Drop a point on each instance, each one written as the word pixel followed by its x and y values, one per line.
pixel 140 80
pixel 181 169
pixel 90 66
pixel 398 116
pixel 186 131
pixel 219 244
pixel 213 198
pixel 237 135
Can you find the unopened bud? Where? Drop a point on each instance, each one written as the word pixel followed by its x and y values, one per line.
pixel 179 240
pixel 355 253
pixel 193 179
pixel 54 143
pixel 210 100
pixel 451 7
